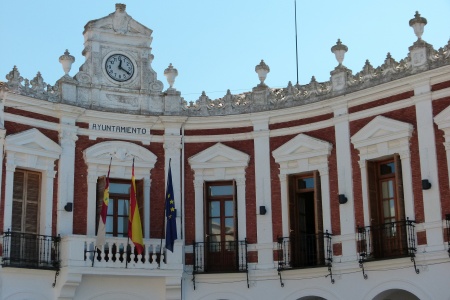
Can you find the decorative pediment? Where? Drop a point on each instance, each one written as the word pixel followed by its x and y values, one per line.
pixel 32 142
pixel 301 147
pixel 219 156
pixel 122 154
pixel 381 130
pixel 119 22
pixel 443 119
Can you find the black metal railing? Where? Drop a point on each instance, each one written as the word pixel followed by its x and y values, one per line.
pixel 33 251
pixel 220 257
pixel 304 251
pixel 386 241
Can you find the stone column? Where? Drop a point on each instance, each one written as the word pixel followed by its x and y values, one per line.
pixel 263 192
pixel 66 171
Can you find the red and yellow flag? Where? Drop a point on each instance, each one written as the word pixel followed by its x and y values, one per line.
pixel 101 231
pixel 134 220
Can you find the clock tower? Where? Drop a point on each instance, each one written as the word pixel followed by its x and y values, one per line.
pixel 117 74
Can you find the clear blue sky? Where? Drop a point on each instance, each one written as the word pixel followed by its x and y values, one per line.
pixel 215 45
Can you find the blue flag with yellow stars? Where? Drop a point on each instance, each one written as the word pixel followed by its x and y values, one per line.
pixel 171 213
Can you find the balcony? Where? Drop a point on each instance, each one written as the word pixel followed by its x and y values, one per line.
pixel 220 257
pixel 386 241
pixel 304 251
pixel 119 253
pixel 32 251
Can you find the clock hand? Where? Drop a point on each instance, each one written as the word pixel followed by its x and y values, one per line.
pixel 120 67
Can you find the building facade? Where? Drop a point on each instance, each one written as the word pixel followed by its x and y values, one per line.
pixel 329 190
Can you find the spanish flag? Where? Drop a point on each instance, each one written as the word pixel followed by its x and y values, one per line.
pixel 134 220
pixel 101 231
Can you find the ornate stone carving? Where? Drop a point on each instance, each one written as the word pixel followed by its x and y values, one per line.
pixel 38 84
pixel 14 78
pixel 120 19
pixel 68 137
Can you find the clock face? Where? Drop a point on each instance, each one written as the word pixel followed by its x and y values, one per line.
pixel 119 67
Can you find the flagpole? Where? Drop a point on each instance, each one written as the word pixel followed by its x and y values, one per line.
pixel 163 219
pixel 95 246
pixel 129 212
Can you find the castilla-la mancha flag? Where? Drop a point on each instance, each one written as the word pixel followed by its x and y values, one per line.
pixel 101 231
pixel 134 220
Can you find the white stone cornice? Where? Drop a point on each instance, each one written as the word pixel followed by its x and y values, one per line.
pixel 439 94
pixel 379 110
pixel 30 121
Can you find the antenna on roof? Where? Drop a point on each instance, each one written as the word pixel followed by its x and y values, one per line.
pixel 296 49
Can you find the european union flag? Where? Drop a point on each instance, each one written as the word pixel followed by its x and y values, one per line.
pixel 171 213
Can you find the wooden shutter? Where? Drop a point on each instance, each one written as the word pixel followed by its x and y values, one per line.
pixel 26 198
pixel 140 201
pixel 318 203
pixel 399 188
pixel 101 183
pixel 32 202
pixel 18 192
pixel 373 194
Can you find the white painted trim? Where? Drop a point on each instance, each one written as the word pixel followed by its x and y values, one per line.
pixel 31 150
pixel 304 154
pixel 97 158
pixel 382 137
pixel 219 162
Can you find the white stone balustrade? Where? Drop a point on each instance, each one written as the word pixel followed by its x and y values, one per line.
pixel 78 251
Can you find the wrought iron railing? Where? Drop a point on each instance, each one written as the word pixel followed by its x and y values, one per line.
pixel 386 241
pixel 304 251
pixel 220 257
pixel 33 251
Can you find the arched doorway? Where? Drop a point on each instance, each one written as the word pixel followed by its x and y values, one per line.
pixel 396 294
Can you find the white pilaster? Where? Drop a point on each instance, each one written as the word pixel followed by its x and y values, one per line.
pixel 9 181
pixel 66 171
pixel 263 192
pixel 46 209
pixel 199 230
pixel 326 204
pixel 345 181
pixel 408 194
pixel 91 203
pixel 428 161
pixel 172 154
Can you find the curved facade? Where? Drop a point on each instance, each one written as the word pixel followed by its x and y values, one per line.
pixel 320 191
